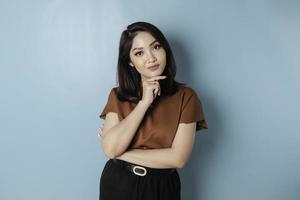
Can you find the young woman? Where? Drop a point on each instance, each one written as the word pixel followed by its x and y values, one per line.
pixel 150 121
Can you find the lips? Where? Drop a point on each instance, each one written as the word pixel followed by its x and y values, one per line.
pixel 153 66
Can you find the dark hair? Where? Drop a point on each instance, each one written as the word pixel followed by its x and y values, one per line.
pixel 129 79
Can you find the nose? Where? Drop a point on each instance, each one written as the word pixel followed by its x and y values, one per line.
pixel 151 57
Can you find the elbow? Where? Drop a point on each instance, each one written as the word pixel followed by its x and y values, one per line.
pixel 180 164
pixel 179 160
pixel 110 156
pixel 108 150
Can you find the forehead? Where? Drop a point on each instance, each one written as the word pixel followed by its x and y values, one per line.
pixel 142 39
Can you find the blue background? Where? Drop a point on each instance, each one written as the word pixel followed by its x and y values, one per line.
pixel 58 63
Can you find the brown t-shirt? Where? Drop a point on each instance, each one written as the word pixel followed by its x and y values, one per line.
pixel 158 127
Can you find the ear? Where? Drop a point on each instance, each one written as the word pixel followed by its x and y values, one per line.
pixel 130 63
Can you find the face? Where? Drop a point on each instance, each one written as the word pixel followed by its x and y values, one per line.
pixel 146 52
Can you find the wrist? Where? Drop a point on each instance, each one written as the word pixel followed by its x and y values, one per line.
pixel 144 104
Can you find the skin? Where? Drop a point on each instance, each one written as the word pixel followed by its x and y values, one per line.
pixel 146 51
pixel 177 155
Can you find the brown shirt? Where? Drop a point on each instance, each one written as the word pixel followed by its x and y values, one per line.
pixel 158 128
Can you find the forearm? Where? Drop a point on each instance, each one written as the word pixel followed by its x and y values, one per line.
pixel 154 158
pixel 116 140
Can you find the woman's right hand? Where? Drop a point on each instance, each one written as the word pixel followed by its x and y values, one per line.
pixel 151 88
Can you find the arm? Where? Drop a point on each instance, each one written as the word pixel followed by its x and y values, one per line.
pixel 155 158
pixel 117 135
pixel 174 157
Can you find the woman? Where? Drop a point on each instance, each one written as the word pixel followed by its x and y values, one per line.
pixel 150 121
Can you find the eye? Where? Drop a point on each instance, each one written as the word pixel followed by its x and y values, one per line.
pixel 138 53
pixel 157 46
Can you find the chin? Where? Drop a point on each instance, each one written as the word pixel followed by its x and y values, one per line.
pixel 156 74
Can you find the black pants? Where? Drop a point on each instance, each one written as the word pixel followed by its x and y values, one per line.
pixel 118 183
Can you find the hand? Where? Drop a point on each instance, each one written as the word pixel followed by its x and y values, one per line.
pixel 151 88
pixel 100 132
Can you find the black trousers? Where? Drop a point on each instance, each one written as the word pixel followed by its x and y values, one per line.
pixel 118 183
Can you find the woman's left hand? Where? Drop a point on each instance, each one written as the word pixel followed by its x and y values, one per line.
pixel 100 133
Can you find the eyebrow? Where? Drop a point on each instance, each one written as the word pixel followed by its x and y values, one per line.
pixel 142 47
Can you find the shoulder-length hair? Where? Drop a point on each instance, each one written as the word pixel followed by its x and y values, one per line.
pixel 129 79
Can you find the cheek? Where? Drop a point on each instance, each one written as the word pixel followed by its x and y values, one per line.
pixel 138 63
pixel 136 59
pixel 132 58
pixel 162 55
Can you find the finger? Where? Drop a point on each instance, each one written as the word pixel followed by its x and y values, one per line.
pixel 157 90
pixel 154 93
pixel 149 83
pixel 157 78
pixel 154 83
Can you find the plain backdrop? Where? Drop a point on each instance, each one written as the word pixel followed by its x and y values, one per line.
pixel 58 63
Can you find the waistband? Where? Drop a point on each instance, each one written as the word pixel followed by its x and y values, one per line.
pixel 142 170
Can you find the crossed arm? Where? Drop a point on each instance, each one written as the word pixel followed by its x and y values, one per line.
pixel 174 157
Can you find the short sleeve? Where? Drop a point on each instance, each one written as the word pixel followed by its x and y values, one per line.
pixel 112 105
pixel 192 111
